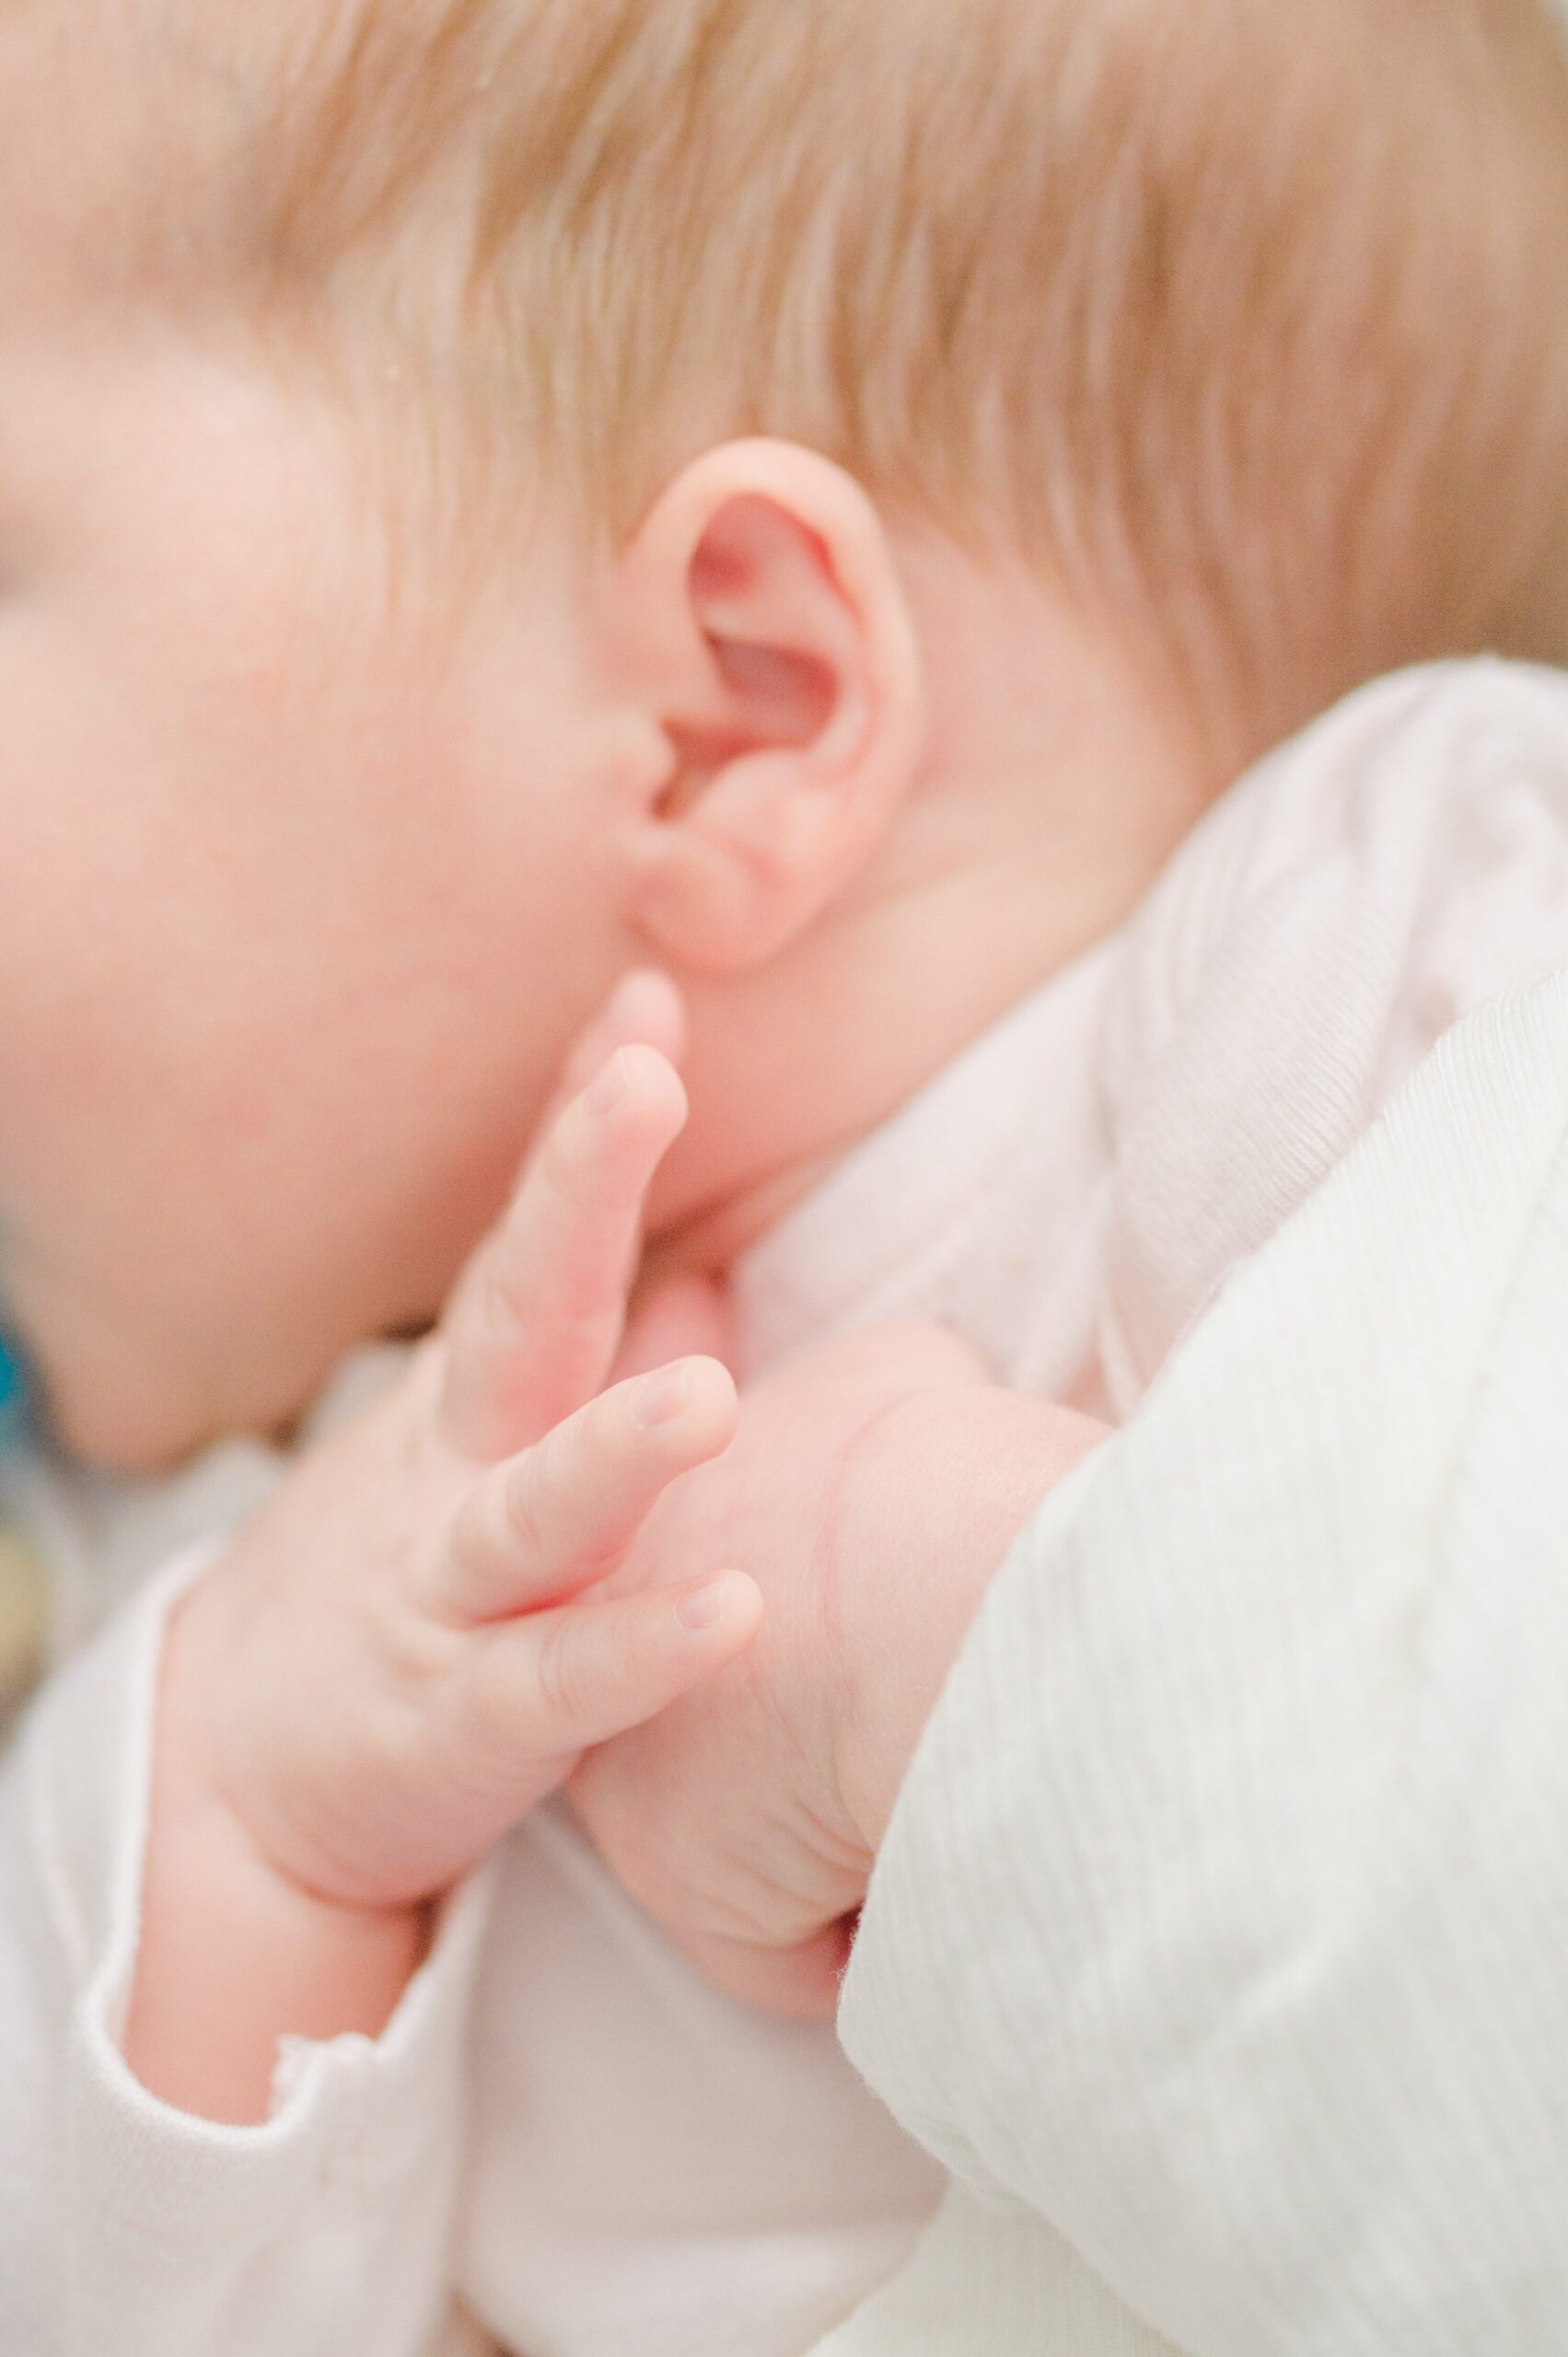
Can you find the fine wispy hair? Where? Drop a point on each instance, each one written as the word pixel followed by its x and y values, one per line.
pixel 1244 320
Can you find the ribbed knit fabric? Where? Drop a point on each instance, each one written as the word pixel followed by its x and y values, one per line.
pixel 1221 1924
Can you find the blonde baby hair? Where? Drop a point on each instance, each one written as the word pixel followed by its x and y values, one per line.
pixel 1244 319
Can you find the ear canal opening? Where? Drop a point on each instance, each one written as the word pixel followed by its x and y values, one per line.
pixel 774 702
pixel 783 696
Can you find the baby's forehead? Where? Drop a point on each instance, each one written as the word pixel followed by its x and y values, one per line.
pixel 128 127
pixel 229 154
pixel 90 137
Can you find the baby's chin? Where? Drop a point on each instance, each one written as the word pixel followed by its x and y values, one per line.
pixel 121 1429
pixel 148 1411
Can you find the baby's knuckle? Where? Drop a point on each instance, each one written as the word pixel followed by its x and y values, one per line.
pixel 563 1670
pixel 501 1294
pixel 565 1162
pixel 526 1535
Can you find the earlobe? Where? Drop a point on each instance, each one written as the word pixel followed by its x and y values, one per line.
pixel 785 662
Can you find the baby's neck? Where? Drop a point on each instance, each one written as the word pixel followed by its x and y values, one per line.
pixel 1051 795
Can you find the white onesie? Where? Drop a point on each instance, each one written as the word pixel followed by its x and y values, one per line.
pixel 602 2157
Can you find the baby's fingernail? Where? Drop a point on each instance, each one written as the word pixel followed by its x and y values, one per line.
pixel 608 1089
pixel 705 1606
pixel 660 1397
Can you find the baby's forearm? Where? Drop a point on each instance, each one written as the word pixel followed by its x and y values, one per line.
pixel 236 1956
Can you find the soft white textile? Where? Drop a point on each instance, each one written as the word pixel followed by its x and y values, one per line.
pixel 1221 1923
pixel 649 2165
pixel 1210 1947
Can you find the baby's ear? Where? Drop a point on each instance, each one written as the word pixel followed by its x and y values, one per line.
pixel 773 637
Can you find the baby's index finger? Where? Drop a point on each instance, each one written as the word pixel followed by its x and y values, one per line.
pixel 647 1010
pixel 533 1330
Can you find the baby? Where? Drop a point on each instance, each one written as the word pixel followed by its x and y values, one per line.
pixel 824 500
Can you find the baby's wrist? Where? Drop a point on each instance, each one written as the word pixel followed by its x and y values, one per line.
pixel 948 1483
pixel 236 1956
pixel 235 1952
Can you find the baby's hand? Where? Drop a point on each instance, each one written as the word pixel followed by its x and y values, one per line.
pixel 874 1489
pixel 413 1645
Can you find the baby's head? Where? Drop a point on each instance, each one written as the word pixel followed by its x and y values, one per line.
pixel 496 491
